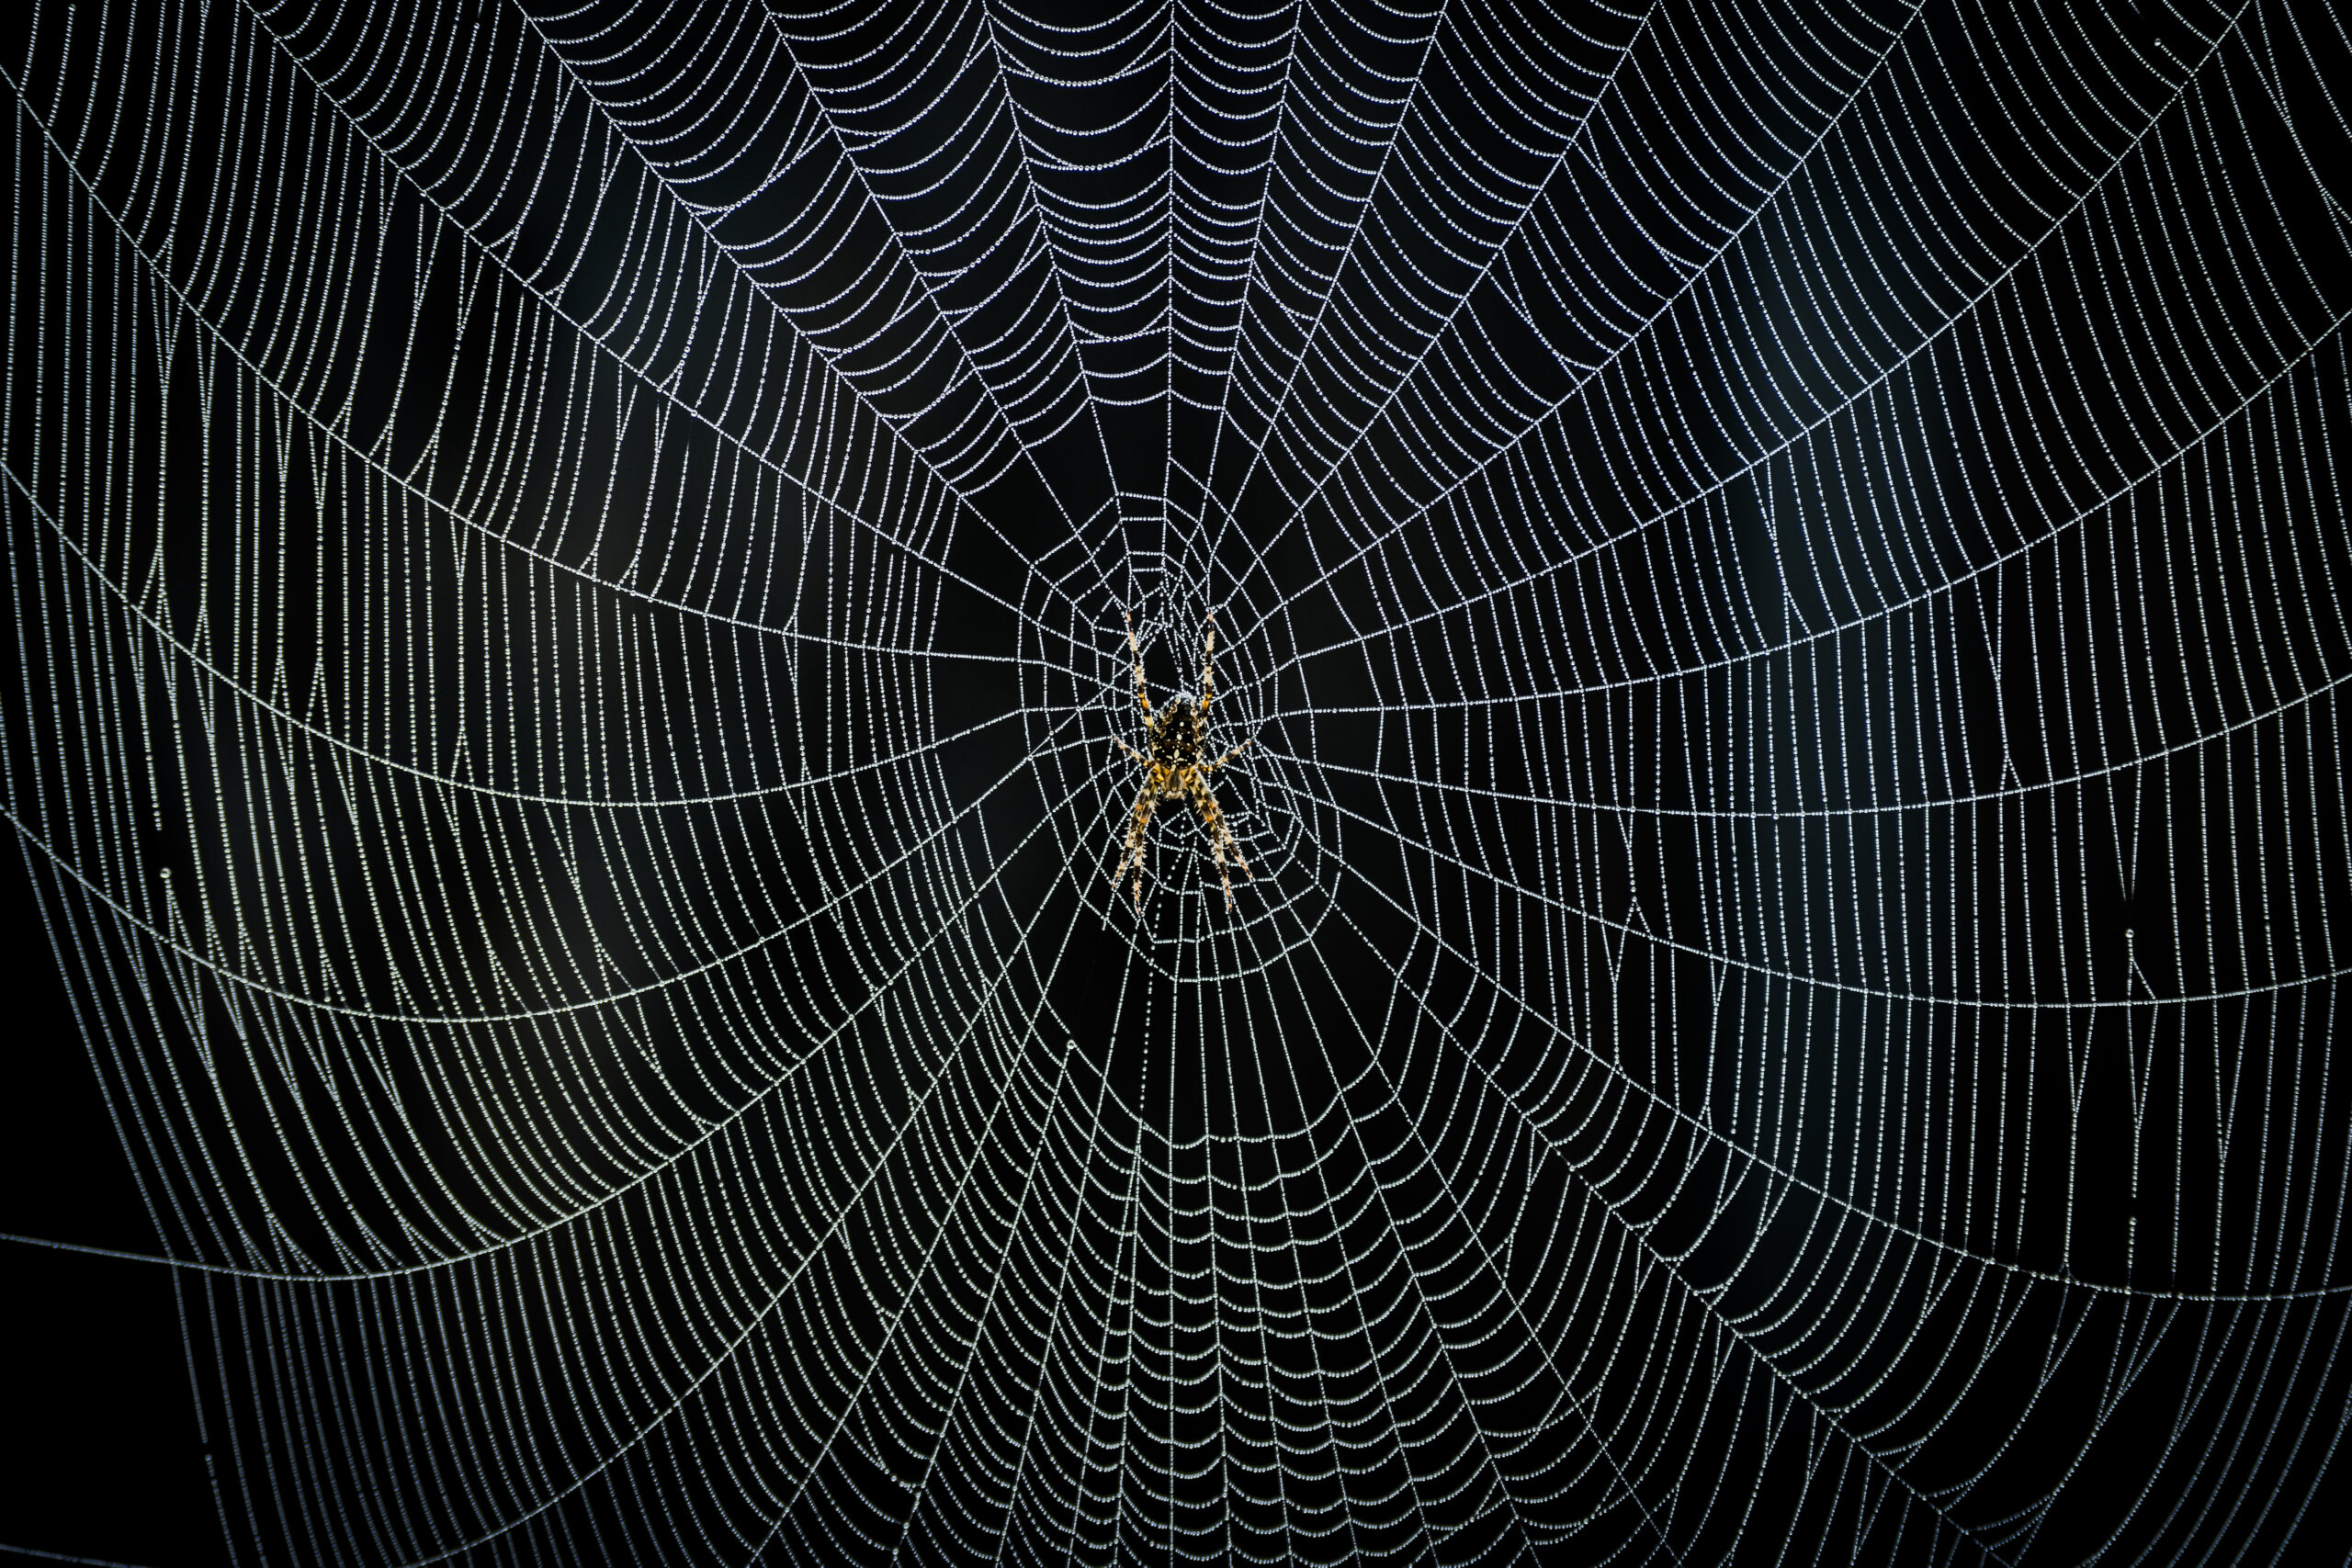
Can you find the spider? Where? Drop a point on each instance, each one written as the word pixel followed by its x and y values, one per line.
pixel 1175 770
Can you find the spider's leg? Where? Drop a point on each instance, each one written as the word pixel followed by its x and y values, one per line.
pixel 1208 661
pixel 1141 695
pixel 1207 808
pixel 1220 837
pixel 1234 846
pixel 1213 817
pixel 1211 767
pixel 1136 834
pixel 1129 750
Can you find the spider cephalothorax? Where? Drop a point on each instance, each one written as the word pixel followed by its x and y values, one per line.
pixel 1174 741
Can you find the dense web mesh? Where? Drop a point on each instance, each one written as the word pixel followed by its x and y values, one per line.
pixel 1783 570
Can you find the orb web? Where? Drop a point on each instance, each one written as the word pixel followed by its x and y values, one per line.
pixel 1782 570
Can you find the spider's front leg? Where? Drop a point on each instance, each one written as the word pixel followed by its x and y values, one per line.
pixel 1141 695
pixel 1208 661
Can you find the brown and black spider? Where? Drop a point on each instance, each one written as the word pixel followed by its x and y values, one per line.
pixel 1175 739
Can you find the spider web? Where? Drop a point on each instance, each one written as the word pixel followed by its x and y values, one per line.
pixel 1782 567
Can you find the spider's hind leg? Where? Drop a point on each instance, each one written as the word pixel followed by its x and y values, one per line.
pixel 1138 836
pixel 1221 837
